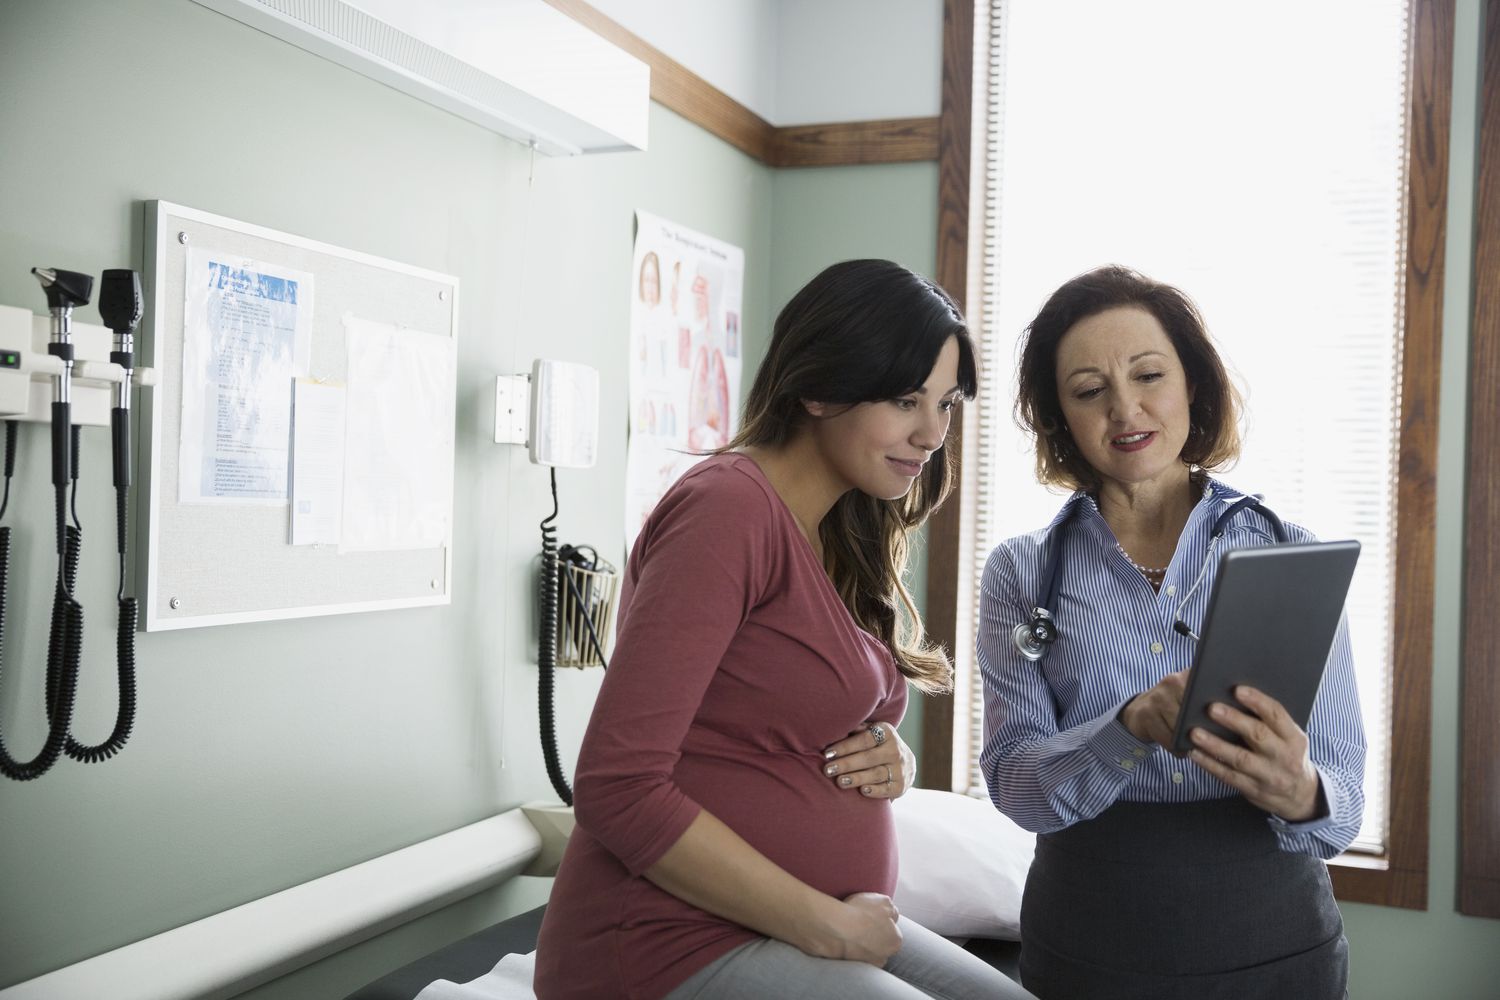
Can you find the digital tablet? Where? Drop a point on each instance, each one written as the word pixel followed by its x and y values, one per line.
pixel 1271 620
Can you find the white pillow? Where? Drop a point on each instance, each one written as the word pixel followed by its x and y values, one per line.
pixel 963 865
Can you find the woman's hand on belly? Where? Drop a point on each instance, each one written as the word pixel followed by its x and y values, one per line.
pixel 880 769
pixel 713 868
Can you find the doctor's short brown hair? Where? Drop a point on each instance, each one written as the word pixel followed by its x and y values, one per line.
pixel 1213 440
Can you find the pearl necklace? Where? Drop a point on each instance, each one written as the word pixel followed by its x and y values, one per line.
pixel 1145 570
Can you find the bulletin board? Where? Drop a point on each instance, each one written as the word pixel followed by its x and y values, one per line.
pixel 219 550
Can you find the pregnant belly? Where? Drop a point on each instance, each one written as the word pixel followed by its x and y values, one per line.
pixel 834 839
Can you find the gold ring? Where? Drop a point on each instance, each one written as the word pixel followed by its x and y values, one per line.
pixel 888 776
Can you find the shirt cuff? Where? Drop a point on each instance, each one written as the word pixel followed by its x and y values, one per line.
pixel 1116 747
pixel 1325 817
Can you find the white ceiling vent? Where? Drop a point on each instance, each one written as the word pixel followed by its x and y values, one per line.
pixel 519 67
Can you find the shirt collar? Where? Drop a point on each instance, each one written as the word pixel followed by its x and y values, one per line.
pixel 1216 497
pixel 1070 506
pixel 1221 492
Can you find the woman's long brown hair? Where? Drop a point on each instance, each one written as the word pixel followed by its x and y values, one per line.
pixel 860 332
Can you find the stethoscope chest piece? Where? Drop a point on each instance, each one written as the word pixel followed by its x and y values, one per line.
pixel 1033 637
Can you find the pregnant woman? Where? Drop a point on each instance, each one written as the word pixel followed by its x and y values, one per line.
pixel 734 839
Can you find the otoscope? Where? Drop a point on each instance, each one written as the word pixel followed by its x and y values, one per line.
pixel 65 290
pixel 120 306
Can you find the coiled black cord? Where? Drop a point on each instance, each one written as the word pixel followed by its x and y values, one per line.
pixel 65 634
pixel 547 652
pixel 65 642
pixel 59 639
pixel 124 648
pixel 124 662
pixel 124 643
pixel 62 698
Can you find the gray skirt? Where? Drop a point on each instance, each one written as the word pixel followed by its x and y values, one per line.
pixel 1167 901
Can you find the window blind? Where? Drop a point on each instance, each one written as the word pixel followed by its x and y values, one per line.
pixel 1255 158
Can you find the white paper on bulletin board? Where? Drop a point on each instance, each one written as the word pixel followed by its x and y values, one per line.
pixel 398 455
pixel 317 487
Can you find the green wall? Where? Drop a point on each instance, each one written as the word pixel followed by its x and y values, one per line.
pixel 268 754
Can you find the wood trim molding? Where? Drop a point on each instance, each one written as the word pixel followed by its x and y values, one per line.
pixel 1479 810
pixel 1403 881
pixel 674 86
pixel 894 140
pixel 955 133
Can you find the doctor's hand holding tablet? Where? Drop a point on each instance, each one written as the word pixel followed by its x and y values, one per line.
pixel 1239 712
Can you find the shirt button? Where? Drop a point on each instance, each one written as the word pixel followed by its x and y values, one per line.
pixel 1127 763
pixel 1171 590
pixel 1139 751
pixel 1176 777
pixel 1156 647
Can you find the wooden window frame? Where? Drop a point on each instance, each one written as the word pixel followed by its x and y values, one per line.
pixel 1479 823
pixel 1399 878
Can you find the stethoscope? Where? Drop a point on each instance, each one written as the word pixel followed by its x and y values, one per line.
pixel 1033 637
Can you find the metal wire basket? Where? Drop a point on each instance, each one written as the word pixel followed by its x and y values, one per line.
pixel 585 597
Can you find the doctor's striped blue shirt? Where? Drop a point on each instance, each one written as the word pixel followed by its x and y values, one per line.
pixel 1054 752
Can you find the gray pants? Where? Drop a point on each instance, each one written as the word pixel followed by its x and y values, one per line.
pixel 927 965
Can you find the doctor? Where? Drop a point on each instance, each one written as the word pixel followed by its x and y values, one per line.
pixel 1154 876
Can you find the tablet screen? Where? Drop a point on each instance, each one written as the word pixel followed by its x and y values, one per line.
pixel 1270 624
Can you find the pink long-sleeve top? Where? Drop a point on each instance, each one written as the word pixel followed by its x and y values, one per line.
pixel 734 666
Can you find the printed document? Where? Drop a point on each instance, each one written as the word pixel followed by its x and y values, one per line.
pixel 317 462
pixel 247 332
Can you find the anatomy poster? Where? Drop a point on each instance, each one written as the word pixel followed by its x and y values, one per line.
pixel 685 308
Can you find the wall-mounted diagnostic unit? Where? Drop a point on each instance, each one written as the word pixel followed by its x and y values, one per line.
pixel 69 375
pixel 554 411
